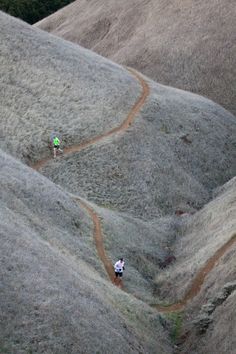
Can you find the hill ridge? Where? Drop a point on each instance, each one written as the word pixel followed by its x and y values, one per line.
pixel 189 45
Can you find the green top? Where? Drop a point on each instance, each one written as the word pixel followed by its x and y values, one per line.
pixel 56 141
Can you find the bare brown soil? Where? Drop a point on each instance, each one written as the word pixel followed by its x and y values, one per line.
pixel 98 237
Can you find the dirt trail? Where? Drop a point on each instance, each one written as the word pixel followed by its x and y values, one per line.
pixel 209 265
pixel 76 148
pixel 98 238
pixel 117 130
pixel 199 278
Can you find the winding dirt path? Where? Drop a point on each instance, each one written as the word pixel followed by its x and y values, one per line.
pixel 98 238
pixel 117 130
pixel 97 233
pixel 199 279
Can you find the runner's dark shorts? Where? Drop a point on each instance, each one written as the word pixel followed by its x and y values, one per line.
pixel 57 147
pixel 118 274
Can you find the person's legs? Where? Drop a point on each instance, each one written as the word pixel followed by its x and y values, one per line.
pixel 119 283
pixel 118 278
pixel 115 277
pixel 55 149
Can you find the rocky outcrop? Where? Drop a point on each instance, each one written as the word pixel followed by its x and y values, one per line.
pixel 205 317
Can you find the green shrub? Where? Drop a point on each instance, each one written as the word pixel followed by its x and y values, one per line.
pixel 32 11
pixel 176 320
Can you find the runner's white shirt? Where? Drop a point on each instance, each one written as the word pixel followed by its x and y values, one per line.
pixel 119 265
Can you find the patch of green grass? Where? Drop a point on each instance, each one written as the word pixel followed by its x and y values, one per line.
pixel 164 129
pixel 176 322
pixel 107 206
pixel 161 304
pixel 4 350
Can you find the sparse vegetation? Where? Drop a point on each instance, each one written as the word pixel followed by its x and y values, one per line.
pixel 176 321
pixel 190 46
pixel 164 129
pixel 55 296
pixel 4 349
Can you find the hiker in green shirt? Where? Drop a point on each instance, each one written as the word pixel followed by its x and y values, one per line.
pixel 56 146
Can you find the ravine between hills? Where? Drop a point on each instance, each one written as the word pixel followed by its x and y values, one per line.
pixel 97 232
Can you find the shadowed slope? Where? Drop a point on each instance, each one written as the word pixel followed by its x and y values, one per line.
pixel 185 44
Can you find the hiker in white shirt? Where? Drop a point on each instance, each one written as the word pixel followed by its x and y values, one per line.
pixel 119 267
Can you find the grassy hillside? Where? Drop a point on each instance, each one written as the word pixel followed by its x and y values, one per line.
pixel 189 45
pixel 56 294
pixel 200 235
pixel 210 317
pixel 53 299
pixel 179 141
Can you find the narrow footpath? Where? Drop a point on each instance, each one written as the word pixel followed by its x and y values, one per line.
pixel 117 130
pixel 199 278
pixel 97 232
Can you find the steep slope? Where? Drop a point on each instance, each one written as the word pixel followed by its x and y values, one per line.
pixel 179 141
pixel 52 298
pixel 200 236
pixel 210 317
pixel 201 283
pixel 220 336
pixel 185 44
pixel 198 264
